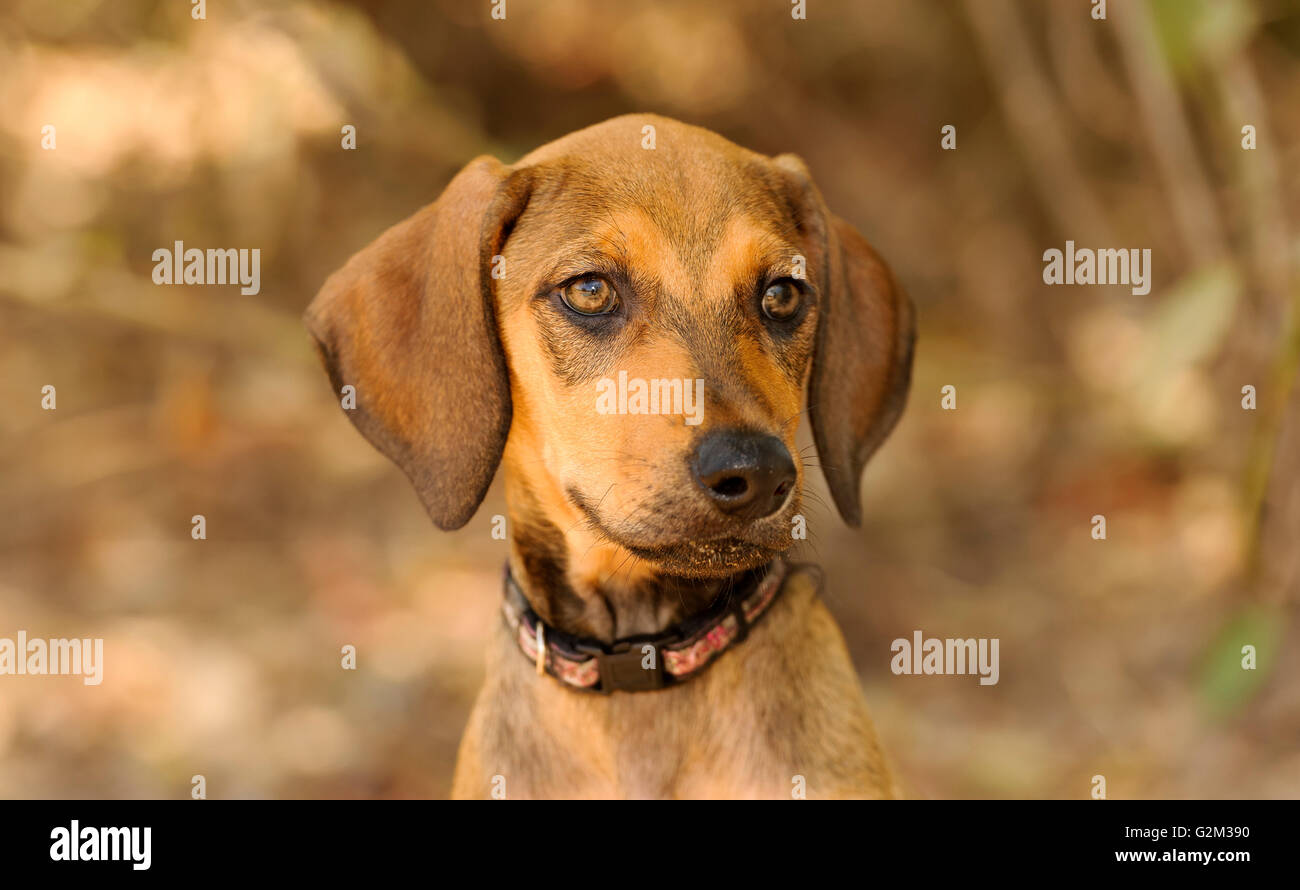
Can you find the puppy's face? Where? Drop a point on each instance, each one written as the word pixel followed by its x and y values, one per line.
pixel 659 319
pixel 629 315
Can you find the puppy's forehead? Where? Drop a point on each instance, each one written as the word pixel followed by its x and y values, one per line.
pixel 692 192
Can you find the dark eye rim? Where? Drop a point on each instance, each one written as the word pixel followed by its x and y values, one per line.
pixel 559 290
pixel 807 295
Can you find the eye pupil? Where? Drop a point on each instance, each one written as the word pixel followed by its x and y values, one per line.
pixel 781 301
pixel 590 296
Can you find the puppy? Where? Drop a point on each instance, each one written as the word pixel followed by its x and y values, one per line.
pixel 626 321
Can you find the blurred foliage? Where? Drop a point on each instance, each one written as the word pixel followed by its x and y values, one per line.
pixel 1227 687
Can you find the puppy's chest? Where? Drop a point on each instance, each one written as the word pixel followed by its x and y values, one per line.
pixel 781 715
pixel 642 746
pixel 734 732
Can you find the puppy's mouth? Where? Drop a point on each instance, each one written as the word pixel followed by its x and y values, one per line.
pixel 688 553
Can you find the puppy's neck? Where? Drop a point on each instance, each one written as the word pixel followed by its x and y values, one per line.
pixel 583 584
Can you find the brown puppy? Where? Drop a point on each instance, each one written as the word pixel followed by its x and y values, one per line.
pixel 488 327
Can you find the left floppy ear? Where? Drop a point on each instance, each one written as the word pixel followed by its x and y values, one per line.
pixel 862 366
pixel 410 322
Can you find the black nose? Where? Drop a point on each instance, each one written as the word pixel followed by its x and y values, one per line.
pixel 746 475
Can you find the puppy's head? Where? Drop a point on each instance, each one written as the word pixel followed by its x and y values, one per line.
pixel 632 315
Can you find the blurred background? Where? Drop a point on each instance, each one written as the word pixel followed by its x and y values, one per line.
pixel 1118 658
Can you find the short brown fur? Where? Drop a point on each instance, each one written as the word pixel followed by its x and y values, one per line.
pixel 458 369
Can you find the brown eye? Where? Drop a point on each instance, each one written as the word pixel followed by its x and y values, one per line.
pixel 590 296
pixel 781 301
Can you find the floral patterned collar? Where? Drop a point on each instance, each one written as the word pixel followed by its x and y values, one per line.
pixel 641 663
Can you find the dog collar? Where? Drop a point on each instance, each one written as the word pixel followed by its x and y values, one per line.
pixel 640 663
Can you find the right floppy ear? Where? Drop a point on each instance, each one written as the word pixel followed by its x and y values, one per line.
pixel 409 321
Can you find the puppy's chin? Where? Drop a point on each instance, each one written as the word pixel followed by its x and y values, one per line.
pixel 682 539
pixel 707 559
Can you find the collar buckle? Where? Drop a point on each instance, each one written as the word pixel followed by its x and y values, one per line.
pixel 631 666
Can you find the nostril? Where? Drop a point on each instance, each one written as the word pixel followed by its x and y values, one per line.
pixel 782 490
pixel 731 487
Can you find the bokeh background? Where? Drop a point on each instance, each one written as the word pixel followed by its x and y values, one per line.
pixel 1118 657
